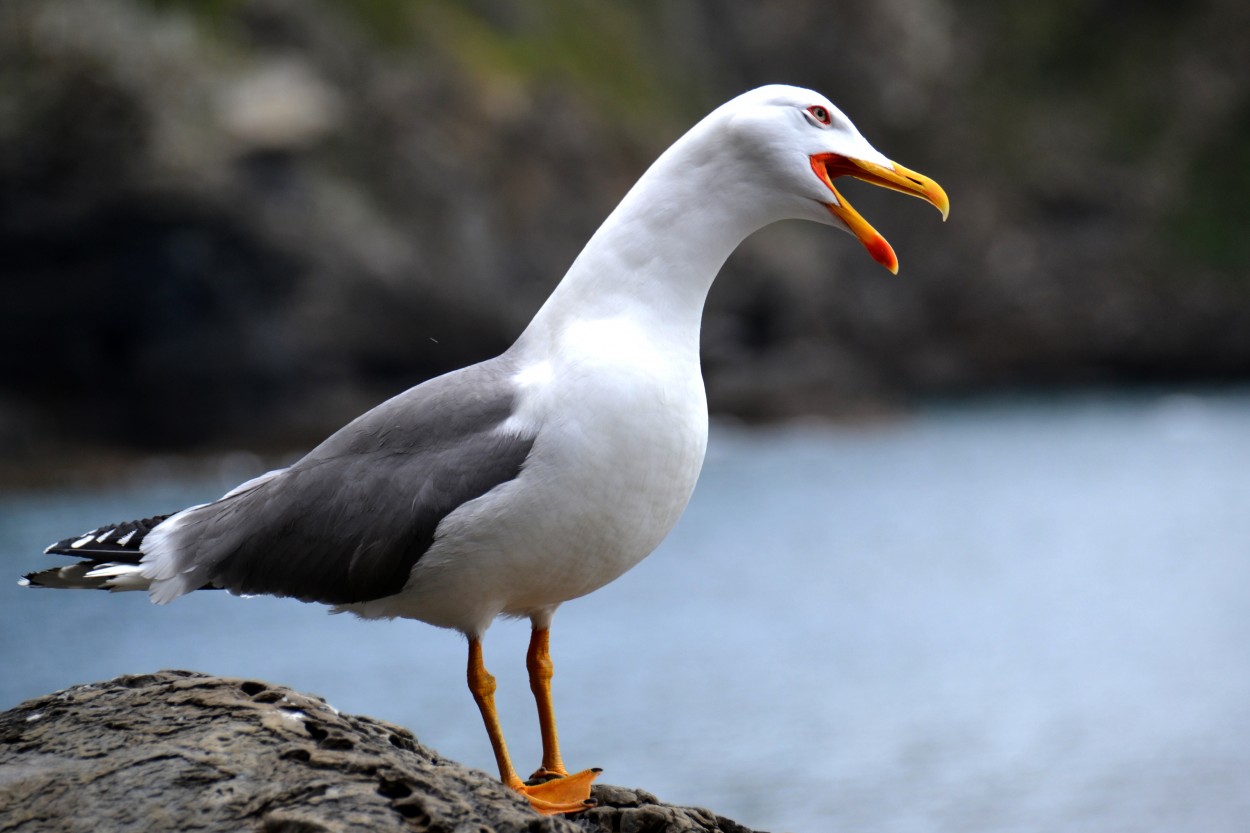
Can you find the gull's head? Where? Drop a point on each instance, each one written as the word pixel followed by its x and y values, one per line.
pixel 795 143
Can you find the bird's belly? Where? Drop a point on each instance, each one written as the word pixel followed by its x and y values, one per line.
pixel 610 473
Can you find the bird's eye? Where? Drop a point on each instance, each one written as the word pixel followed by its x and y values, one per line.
pixel 819 113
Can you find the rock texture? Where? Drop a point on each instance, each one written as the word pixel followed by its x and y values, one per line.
pixel 179 750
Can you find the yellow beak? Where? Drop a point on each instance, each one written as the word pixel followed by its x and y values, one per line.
pixel 830 166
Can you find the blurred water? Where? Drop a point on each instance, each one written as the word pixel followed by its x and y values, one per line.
pixel 999 616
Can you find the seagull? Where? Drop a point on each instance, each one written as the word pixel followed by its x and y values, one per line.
pixel 511 486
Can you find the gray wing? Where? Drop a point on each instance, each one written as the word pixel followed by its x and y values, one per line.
pixel 348 522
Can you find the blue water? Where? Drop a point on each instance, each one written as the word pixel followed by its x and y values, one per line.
pixel 1002 615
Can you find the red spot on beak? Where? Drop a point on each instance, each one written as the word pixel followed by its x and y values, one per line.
pixel 882 252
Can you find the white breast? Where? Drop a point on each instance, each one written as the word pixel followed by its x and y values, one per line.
pixel 621 424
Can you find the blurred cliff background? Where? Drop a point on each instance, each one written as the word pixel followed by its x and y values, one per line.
pixel 238 223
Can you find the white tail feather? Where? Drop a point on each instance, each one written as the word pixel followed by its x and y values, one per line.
pixel 88 576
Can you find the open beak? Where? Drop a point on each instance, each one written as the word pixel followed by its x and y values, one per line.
pixel 830 166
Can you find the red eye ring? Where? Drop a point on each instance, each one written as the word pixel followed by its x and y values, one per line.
pixel 819 113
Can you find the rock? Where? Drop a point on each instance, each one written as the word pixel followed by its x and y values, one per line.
pixel 180 750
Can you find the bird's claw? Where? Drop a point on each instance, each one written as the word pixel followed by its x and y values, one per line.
pixel 561 793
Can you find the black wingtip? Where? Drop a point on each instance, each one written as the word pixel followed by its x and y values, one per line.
pixel 115 542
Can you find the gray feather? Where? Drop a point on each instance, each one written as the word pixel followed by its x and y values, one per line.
pixel 348 521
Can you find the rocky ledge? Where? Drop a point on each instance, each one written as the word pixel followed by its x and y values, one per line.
pixel 180 750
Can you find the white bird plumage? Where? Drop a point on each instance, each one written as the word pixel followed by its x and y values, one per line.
pixel 597 412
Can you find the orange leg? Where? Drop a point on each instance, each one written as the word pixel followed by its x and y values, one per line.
pixel 549 798
pixel 538 663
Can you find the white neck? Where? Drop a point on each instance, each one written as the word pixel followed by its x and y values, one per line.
pixel 656 255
